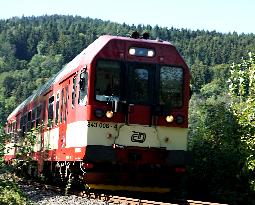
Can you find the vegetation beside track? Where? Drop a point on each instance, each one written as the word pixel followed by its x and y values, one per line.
pixel 11 194
pixel 10 191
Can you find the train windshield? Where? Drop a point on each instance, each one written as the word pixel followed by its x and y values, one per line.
pixel 108 80
pixel 171 85
pixel 140 83
pixel 139 86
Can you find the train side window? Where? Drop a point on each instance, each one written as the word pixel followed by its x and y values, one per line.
pixel 21 123
pixel 8 128
pixel 12 130
pixel 57 108
pixel 17 124
pixel 83 84
pixel 29 115
pixel 25 119
pixel 107 84
pixel 50 109
pixel 66 103
pixel 24 124
pixel 15 130
pixel 33 118
pixel 33 114
pixel 62 104
pixel 38 115
pixel 74 91
pixel 11 127
pixel 14 126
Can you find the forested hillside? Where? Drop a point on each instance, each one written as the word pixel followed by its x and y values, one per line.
pixel 34 48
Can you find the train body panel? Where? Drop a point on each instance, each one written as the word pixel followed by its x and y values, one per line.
pixel 51 138
pixel 121 101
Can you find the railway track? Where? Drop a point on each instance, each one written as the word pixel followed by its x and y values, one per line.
pixel 111 199
pixel 114 200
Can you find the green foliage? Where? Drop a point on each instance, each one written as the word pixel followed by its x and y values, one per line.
pixel 3 138
pixel 217 150
pixel 200 75
pixel 242 92
pixel 10 192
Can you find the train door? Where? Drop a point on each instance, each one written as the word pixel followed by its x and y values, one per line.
pixel 63 114
pixel 140 93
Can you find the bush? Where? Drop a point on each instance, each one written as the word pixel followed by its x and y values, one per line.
pixel 10 192
pixel 218 153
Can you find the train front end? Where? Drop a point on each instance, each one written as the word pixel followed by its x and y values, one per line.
pixel 138 116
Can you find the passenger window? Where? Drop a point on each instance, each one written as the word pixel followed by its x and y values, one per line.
pixel 11 127
pixel 66 103
pixel 33 118
pixel 21 122
pixel 15 126
pixel 62 104
pixel 29 115
pixel 50 109
pixel 15 131
pixel 8 128
pixel 57 109
pixel 24 124
pixel 74 91
pixel 83 88
pixel 38 115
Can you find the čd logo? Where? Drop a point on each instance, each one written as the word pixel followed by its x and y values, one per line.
pixel 138 137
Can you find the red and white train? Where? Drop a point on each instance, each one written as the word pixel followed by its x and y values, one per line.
pixel 118 112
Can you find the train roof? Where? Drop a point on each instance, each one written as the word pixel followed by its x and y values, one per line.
pixel 84 58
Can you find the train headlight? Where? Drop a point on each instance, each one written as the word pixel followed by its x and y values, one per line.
pixel 99 113
pixel 144 52
pixel 132 51
pixel 170 118
pixel 109 114
pixel 150 53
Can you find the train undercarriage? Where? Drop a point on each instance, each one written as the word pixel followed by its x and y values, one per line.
pixel 130 169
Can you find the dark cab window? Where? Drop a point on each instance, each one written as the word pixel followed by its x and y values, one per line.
pixel 50 109
pixel 139 85
pixel 107 80
pixel 83 87
pixel 171 85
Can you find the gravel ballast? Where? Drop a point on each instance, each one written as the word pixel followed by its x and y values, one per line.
pixel 43 197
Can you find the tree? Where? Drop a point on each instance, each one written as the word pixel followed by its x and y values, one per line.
pixel 217 150
pixel 200 75
pixel 242 92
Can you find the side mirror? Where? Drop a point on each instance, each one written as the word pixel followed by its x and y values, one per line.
pixel 115 105
pixel 119 105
